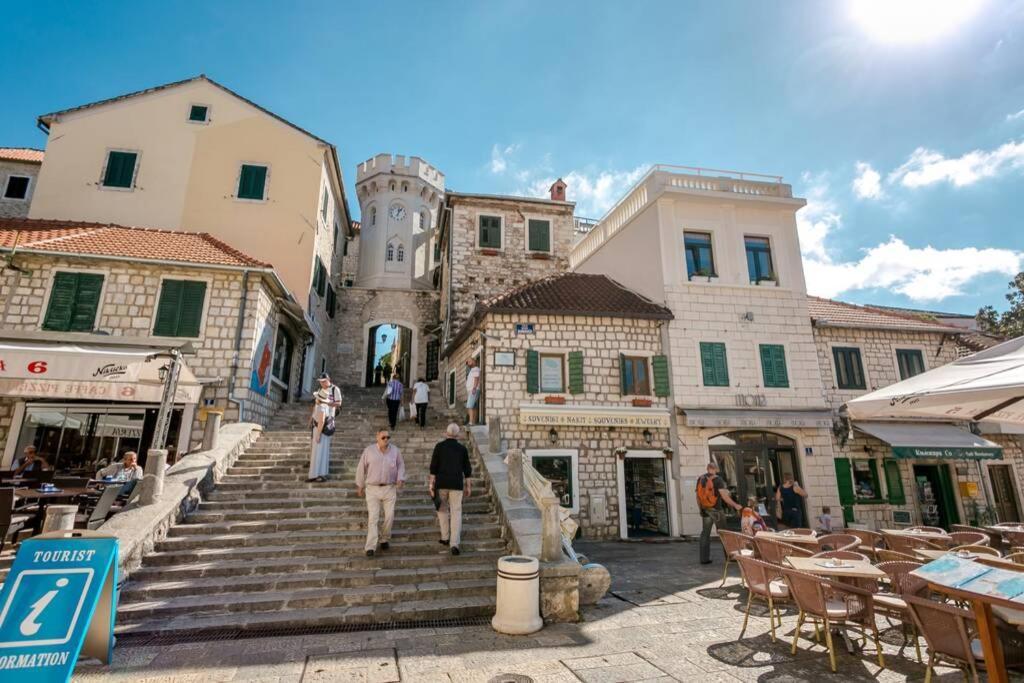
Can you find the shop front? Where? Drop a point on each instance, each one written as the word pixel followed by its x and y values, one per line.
pixel 754 464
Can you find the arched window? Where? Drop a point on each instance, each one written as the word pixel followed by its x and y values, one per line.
pixel 373 215
pixel 392 185
pixel 401 253
pixel 405 187
pixel 390 255
pixel 425 220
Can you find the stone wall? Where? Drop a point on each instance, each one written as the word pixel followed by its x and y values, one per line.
pixel 16 208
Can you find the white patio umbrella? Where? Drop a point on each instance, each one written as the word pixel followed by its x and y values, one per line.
pixel 987 386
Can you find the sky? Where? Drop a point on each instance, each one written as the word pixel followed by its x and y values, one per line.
pixel 900 121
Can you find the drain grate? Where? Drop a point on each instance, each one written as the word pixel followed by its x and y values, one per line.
pixel 157 638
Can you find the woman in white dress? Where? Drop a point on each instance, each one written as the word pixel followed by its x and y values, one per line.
pixel 327 399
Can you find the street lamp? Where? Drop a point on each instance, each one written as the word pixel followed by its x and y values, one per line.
pixel 168 375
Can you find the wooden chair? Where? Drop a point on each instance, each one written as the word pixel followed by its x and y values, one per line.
pixel 894 556
pixel 763 582
pixel 776 552
pixel 977 550
pixel 1012 537
pixel 98 515
pixel 843 555
pixel 836 604
pixel 907 545
pixel 891 603
pixel 838 542
pixel 10 523
pixel 870 541
pixel 950 633
pixel 969 538
pixel 734 544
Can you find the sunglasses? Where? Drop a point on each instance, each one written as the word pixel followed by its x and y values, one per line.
pixel 384 438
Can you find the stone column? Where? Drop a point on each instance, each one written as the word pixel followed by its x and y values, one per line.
pixel 494 434
pixel 551 530
pixel 516 489
pixel 211 430
pixel 152 484
pixel 60 518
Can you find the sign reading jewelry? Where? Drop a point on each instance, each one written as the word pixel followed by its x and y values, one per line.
pixel 584 416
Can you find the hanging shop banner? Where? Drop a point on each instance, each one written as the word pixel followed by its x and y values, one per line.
pixel 58 602
pixel 262 359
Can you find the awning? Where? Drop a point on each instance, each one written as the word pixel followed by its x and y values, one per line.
pixel 724 417
pixel 931 440
pixel 72 371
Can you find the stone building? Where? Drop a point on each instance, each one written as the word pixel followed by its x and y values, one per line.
pixel 898 473
pixel 19 167
pixel 574 367
pixel 79 299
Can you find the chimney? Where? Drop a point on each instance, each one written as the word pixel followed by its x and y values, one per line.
pixel 558 190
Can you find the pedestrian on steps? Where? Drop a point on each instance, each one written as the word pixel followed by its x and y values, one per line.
pixel 393 397
pixel 449 482
pixel 380 474
pixel 421 396
pixel 326 401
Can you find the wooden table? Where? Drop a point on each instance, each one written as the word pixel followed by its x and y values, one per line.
pixel 853 569
pixel 795 539
pixel 923 535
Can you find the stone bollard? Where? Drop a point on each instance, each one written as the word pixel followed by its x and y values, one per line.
pixel 60 518
pixel 551 530
pixel 518 601
pixel 152 484
pixel 212 430
pixel 516 489
pixel 595 581
pixel 494 434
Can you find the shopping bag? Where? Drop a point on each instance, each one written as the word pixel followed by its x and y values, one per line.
pixel 401 412
pixel 412 410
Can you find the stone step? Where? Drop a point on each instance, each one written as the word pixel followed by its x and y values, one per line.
pixel 250 509
pixel 341 531
pixel 414 487
pixel 183 554
pixel 407 611
pixel 348 522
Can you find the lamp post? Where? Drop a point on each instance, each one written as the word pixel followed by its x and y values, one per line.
pixel 168 374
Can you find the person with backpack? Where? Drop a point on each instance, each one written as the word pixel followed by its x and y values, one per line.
pixel 711 493
pixel 327 400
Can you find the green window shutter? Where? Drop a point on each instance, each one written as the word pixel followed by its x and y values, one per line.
pixel 575 372
pixel 87 300
pixel 120 169
pixel 844 482
pixel 60 310
pixel 662 381
pixel 894 483
pixel 252 182
pixel 180 310
pixel 320 277
pixel 166 324
pixel 490 232
pixel 714 365
pixel 773 366
pixel 532 372
pixel 331 301
pixel 539 235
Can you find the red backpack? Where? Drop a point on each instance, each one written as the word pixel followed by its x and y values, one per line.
pixel 707 495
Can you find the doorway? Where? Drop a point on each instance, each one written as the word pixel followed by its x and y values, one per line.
pixel 646 499
pixel 388 351
pixel 1004 493
pixel 936 500
pixel 753 464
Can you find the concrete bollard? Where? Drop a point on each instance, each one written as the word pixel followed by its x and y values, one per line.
pixel 152 484
pixel 516 488
pixel 60 518
pixel 551 530
pixel 518 602
pixel 494 434
pixel 211 430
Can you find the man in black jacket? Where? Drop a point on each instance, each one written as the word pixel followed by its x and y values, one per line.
pixel 449 482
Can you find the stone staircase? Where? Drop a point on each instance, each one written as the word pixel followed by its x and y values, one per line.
pixel 269 550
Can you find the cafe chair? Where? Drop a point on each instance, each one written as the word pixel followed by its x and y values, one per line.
pixel 977 550
pixel 885 555
pixel 993 538
pixel 92 520
pixel 1016 558
pixel 803 532
pixel 950 633
pixel 10 523
pixel 969 538
pixel 734 544
pixel 835 604
pixel 843 555
pixel 1013 537
pixel 776 552
pixel 870 541
pixel 928 529
pixel 838 542
pixel 907 545
pixel 763 582
pixel 890 601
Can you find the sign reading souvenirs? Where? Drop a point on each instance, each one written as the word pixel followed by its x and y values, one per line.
pixel 581 416
pixel 58 601
pixel 524 328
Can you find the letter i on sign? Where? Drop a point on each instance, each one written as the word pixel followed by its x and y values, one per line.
pixel 29 626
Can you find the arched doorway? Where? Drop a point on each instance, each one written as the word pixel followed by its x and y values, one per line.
pixel 754 464
pixel 389 349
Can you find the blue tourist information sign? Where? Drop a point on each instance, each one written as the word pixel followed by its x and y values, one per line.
pixel 58 601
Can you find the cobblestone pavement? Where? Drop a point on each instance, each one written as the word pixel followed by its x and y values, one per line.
pixel 665 620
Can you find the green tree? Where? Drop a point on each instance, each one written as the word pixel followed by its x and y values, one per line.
pixel 1009 323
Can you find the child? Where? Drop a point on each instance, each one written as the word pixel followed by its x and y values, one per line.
pixel 825 519
pixel 750 521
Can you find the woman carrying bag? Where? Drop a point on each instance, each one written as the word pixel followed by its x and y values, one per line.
pixel 326 401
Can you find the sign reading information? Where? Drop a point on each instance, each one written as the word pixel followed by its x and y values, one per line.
pixel 57 602
pixel 593 417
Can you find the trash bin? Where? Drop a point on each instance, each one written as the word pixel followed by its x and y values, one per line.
pixel 518 608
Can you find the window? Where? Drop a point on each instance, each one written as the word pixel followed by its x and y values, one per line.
pixel 849 369
pixel 344 246
pixel 773 366
pixel 437 250
pixel 74 300
pixel 451 388
pixel 332 301
pixel 552 373
pixel 401 253
pixel 490 232
pixel 349 282
pixel 324 205
pixel 539 237
pixel 390 255
pixel 713 364
pixel 120 170
pixel 910 362
pixel 700 258
pixel 433 351
pixel 17 187
pixel 320 277
pixel 198 113
pixel 373 215
pixel 759 259
pixel 560 471
pixel 179 312
pixel 425 221
pixel 283 346
pixel 865 481
pixel 252 182
pixel 636 378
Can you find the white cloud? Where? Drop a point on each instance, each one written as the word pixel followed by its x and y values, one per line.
pixel 593 192
pixel 927 167
pixel 868 183
pixel 499 157
pixel 922 274
pixel 1015 115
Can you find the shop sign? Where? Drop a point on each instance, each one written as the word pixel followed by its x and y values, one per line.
pixel 575 417
pixel 525 328
pixel 948 453
pixel 504 359
pixel 969 489
pixel 751 400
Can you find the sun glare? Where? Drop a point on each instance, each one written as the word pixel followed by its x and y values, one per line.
pixel 912 21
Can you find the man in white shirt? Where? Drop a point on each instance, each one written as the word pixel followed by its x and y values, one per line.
pixel 126 470
pixel 380 473
pixel 472 390
pixel 421 396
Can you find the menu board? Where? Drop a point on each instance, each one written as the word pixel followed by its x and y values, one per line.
pixel 956 572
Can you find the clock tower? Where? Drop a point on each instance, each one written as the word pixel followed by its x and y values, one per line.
pixel 399 200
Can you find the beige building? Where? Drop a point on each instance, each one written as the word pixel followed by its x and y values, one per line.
pixel 573 365
pixel 193 155
pixel 77 299
pixel 19 167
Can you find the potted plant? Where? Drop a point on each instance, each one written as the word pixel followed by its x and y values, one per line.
pixel 642 402
pixel 702 272
pixel 770 277
pixel 554 400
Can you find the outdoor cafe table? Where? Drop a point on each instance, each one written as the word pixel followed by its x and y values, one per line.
pixel 981 606
pixel 851 569
pixel 795 539
pixel 923 535
pixel 44 498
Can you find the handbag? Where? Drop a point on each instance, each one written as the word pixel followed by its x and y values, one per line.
pixel 329 426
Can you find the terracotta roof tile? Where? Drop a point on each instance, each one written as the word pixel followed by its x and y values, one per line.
pixel 576 294
pixel 118 241
pixel 21 154
pixel 827 312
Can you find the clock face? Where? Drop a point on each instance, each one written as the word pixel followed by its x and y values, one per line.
pixel 397 212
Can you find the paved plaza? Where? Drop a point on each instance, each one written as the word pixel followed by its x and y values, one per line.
pixel 665 620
